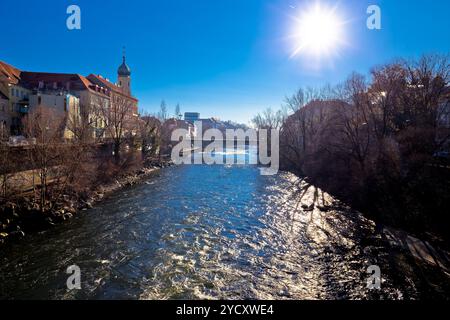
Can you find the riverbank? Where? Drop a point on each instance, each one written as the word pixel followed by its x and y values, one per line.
pixel 216 232
pixel 417 264
pixel 23 217
pixel 414 264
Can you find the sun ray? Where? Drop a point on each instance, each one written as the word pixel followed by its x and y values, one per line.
pixel 318 32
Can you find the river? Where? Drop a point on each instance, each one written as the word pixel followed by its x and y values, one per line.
pixel 201 232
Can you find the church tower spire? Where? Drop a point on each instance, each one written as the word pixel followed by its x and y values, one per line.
pixel 124 75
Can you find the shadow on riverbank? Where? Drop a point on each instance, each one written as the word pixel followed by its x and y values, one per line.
pixel 420 268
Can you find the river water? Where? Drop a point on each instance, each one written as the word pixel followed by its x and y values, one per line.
pixel 200 232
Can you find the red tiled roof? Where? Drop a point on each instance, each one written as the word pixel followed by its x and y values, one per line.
pixel 76 82
pixel 85 81
pixel 10 73
pixel 31 80
pixel 111 86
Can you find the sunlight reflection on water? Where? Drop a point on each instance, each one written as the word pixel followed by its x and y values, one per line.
pixel 199 232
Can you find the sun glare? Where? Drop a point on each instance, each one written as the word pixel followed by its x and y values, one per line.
pixel 318 32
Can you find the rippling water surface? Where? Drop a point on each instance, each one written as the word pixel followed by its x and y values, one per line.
pixel 194 232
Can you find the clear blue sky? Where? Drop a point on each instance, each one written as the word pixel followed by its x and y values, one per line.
pixel 225 58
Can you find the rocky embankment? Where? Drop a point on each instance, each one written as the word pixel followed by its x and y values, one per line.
pixel 24 216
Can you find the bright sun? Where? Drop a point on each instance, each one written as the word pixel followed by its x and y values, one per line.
pixel 318 32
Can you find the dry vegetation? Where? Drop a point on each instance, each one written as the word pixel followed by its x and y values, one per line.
pixel 375 142
pixel 52 176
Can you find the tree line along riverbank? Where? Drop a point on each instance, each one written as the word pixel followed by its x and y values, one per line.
pixel 70 186
pixel 379 142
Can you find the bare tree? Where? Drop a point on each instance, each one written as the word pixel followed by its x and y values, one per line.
pixel 373 142
pixel 46 154
pixel 269 119
pixel 6 169
pixel 150 134
pixel 82 125
pixel 5 161
pixel 162 114
pixel 120 121
pixel 352 121
pixel 178 114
